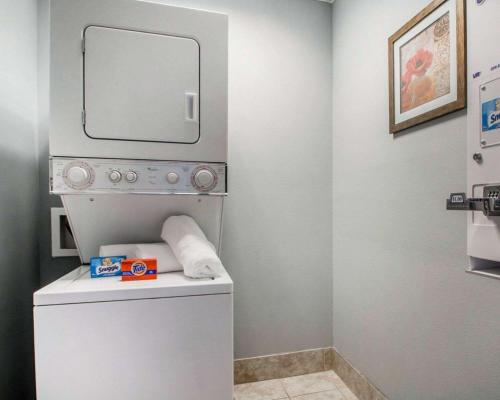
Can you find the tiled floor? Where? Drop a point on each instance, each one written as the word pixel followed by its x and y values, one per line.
pixel 320 386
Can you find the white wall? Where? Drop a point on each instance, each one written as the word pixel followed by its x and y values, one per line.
pixel 405 312
pixel 18 195
pixel 50 268
pixel 277 227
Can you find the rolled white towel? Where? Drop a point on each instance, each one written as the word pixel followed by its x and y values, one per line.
pixel 191 247
pixel 198 258
pixel 165 258
pixel 127 250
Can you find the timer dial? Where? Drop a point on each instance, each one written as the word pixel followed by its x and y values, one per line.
pixel 204 179
pixel 78 175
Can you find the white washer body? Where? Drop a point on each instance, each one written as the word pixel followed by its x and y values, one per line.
pixel 102 339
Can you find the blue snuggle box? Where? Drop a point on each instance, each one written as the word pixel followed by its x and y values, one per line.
pixel 101 267
pixel 491 115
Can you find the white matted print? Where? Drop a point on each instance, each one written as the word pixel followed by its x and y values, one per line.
pixel 427 77
pixel 426 65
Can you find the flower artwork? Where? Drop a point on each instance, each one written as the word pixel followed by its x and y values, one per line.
pixel 425 65
pixel 427 74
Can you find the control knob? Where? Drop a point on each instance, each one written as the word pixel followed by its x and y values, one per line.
pixel 204 179
pixel 115 176
pixel 131 176
pixel 78 175
pixel 172 178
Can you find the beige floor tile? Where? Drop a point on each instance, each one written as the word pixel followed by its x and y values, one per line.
pixel 311 383
pixel 340 384
pixel 346 392
pixel 264 390
pixel 329 395
pixel 337 379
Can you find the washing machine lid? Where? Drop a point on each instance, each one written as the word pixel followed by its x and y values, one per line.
pixel 78 287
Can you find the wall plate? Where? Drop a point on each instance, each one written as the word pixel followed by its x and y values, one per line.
pixel 61 234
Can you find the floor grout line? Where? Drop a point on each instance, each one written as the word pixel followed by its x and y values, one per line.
pixel 284 388
pixel 320 391
pixel 335 388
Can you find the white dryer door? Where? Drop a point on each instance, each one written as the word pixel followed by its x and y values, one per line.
pixel 141 86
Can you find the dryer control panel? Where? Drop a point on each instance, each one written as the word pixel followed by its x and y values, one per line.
pixel 93 175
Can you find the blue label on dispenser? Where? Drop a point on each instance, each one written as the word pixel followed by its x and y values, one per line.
pixel 491 115
pixel 106 266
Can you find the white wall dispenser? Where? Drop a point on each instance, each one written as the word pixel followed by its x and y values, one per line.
pixel 482 199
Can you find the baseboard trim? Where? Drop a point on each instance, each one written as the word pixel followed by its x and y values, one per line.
pixel 359 384
pixel 284 365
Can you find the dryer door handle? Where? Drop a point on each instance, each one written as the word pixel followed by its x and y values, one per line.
pixel 191 106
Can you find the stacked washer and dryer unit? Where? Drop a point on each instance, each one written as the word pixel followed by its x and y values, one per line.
pixel 134 102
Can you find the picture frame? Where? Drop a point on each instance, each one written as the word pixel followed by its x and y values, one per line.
pixel 427 65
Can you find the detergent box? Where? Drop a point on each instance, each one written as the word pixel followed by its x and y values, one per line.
pixel 101 267
pixel 138 269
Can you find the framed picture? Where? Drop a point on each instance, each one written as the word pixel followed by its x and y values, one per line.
pixel 427 65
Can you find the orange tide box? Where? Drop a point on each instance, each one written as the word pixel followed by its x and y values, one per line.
pixel 139 269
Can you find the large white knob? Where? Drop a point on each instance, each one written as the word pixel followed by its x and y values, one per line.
pixel 204 179
pixel 78 175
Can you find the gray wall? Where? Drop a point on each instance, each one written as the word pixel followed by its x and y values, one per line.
pixel 405 312
pixel 277 227
pixel 18 196
pixel 50 268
